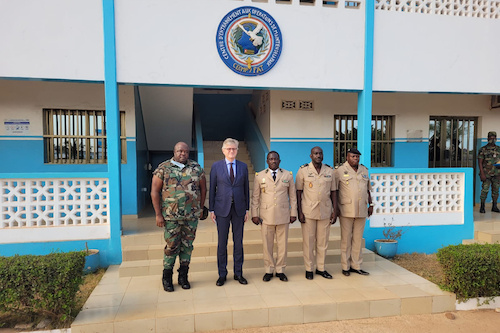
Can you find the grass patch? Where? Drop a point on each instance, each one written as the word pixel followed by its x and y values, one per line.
pixel 424 265
pixel 11 319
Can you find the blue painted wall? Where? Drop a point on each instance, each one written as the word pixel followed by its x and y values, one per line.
pixel 428 239
pixel 411 154
pixel 106 256
pixel 26 156
pixel 295 154
pixel 222 115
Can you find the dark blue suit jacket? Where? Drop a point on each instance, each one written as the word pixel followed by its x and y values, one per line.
pixel 222 191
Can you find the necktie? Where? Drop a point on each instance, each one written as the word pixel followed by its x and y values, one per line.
pixel 274 175
pixel 231 173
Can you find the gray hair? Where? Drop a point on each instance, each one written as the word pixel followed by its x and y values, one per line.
pixel 230 141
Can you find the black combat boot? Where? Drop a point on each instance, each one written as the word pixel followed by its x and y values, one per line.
pixel 168 285
pixel 494 207
pixel 482 210
pixel 183 277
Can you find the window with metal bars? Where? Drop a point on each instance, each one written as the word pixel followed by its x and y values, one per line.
pixel 452 142
pixel 78 136
pixel 346 136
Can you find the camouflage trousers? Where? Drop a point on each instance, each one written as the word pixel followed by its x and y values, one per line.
pixel 179 236
pixel 495 184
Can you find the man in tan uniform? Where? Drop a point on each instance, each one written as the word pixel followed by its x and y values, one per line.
pixel 317 208
pixel 355 205
pixel 274 205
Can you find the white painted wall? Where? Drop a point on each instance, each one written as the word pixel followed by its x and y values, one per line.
pixel 309 124
pixel 168 114
pixel 173 42
pixel 411 111
pixel 54 39
pixel 27 99
pixel 438 53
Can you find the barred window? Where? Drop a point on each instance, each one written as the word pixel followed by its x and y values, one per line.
pixel 346 136
pixel 78 136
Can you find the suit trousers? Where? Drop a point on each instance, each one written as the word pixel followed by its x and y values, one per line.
pixel 269 232
pixel 237 224
pixel 351 240
pixel 315 234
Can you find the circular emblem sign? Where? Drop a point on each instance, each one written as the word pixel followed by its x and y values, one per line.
pixel 249 41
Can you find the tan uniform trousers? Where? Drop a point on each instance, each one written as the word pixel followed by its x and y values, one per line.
pixel 280 232
pixel 315 234
pixel 351 239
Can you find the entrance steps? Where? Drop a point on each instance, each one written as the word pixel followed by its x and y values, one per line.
pixel 486 227
pixel 143 253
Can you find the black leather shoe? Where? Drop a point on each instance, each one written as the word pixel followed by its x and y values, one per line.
pixel 324 274
pixel 268 276
pixel 282 277
pixel 346 273
pixel 240 279
pixel 220 281
pixel 309 275
pixel 359 271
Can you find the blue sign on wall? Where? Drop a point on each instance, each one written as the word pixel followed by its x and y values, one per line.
pixel 249 41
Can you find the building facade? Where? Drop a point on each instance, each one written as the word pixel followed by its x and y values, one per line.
pixel 95 93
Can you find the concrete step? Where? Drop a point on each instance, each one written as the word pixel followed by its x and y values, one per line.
pixel 472 241
pixel 209 264
pixel 152 252
pixel 486 225
pixel 490 236
pixel 207 233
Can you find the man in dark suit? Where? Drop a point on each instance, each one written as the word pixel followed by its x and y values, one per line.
pixel 229 203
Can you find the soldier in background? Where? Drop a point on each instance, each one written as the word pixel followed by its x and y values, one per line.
pixel 274 205
pixel 317 209
pixel 488 156
pixel 178 192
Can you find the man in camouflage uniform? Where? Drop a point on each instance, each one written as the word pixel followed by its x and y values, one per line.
pixel 488 156
pixel 178 192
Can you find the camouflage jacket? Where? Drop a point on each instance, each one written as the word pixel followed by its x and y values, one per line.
pixel 180 195
pixel 490 156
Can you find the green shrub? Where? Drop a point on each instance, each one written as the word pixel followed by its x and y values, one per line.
pixel 471 270
pixel 46 284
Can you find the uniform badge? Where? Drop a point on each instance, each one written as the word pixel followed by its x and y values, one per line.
pixel 285 181
pixel 249 41
pixel 310 185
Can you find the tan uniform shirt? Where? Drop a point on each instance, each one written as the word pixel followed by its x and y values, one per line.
pixel 353 190
pixel 316 189
pixel 274 201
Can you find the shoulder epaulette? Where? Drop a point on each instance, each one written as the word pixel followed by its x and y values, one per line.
pixel 302 166
pixel 328 165
pixel 256 174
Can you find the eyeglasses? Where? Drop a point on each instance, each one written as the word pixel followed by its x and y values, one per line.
pixel 231 149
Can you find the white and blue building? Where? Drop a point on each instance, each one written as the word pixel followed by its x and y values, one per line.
pixel 95 93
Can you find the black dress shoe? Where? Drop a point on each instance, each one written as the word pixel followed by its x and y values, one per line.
pixel 359 271
pixel 324 274
pixel 268 276
pixel 282 277
pixel 346 273
pixel 220 281
pixel 240 279
pixel 309 275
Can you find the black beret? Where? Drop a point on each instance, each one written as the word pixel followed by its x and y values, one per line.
pixel 353 151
